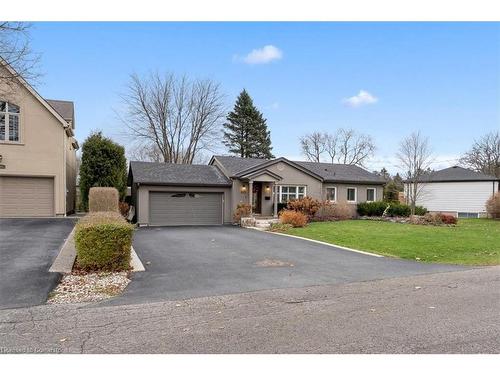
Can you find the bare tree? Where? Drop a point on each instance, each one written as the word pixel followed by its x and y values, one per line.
pixel 484 155
pixel 176 116
pixel 15 51
pixel 415 158
pixel 345 146
pixel 354 148
pixel 145 151
pixel 313 146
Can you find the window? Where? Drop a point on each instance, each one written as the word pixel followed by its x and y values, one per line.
pixel 351 195
pixel 468 215
pixel 370 195
pixel 9 122
pixel 287 193
pixel 331 194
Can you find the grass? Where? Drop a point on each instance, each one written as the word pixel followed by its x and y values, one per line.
pixel 471 242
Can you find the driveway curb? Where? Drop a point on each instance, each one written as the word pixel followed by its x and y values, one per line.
pixel 329 244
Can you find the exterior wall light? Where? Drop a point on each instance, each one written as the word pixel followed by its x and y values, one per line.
pixel 243 189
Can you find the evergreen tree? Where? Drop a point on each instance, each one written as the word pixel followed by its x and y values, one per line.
pixel 103 164
pixel 245 132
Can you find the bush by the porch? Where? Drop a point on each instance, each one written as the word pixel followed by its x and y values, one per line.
pixel 103 241
pixel 306 205
pixel 242 210
pixel 295 218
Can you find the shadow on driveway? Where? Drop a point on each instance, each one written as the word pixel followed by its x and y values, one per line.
pixel 27 250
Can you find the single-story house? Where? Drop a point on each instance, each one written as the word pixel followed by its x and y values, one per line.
pixel 457 191
pixel 176 194
pixel 37 152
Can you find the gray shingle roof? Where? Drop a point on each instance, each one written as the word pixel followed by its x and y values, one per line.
pixel 341 172
pixel 235 164
pixel 329 172
pixel 456 174
pixel 177 174
pixel 65 108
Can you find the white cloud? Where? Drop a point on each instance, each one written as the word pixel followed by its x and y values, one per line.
pixel 262 55
pixel 363 98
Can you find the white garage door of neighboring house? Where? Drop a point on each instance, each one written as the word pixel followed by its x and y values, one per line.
pixel 185 208
pixel 26 196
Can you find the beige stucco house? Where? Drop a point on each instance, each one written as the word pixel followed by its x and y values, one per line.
pixel 174 194
pixel 37 153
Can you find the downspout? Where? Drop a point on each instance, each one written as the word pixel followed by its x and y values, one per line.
pixel 64 172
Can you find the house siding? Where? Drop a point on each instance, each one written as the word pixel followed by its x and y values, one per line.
pixel 42 150
pixel 454 197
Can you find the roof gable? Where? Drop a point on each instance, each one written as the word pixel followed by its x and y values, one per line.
pixel 263 166
pixel 33 92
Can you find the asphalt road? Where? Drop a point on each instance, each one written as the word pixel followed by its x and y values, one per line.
pixel 27 250
pixel 453 312
pixel 187 262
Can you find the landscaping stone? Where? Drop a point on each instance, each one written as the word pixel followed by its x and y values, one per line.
pixel 88 287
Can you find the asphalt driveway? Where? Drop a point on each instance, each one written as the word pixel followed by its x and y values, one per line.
pixel 187 262
pixel 27 250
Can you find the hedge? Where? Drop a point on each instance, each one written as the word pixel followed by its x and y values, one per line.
pixel 103 199
pixel 395 209
pixel 103 241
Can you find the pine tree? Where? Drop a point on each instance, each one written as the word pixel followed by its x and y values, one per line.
pixel 246 133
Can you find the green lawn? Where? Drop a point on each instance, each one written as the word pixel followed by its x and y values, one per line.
pixel 472 241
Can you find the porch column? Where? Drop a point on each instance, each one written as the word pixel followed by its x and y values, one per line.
pixel 250 196
pixel 275 200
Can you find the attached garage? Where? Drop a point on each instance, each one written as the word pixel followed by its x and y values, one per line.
pixel 185 208
pixel 178 194
pixel 26 196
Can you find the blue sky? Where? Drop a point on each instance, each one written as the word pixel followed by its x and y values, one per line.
pixel 440 78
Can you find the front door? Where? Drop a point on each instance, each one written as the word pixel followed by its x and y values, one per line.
pixel 257 198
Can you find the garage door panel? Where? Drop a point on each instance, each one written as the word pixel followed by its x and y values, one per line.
pixel 26 196
pixel 185 208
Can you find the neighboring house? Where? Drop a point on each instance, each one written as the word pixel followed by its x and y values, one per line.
pixel 37 153
pixel 176 194
pixel 456 191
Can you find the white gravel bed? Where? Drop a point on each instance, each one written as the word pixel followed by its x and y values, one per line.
pixel 90 287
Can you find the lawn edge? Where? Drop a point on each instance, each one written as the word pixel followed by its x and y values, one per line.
pixel 329 244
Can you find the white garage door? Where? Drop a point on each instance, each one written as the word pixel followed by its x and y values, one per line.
pixel 26 196
pixel 185 208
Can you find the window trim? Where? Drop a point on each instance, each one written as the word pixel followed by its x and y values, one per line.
pixel 280 192
pixel 374 194
pixel 7 123
pixel 355 194
pixel 326 191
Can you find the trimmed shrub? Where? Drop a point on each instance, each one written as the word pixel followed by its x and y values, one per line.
pixel 242 210
pixel 307 205
pixel 419 210
pixel 103 199
pixel 371 208
pixel 396 209
pixel 279 227
pixel 103 241
pixel 294 218
pixel 493 206
pixel 448 219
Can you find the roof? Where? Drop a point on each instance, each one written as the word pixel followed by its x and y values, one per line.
pixel 177 174
pixel 65 108
pixel 30 88
pixel 342 172
pixel 326 171
pixel 456 173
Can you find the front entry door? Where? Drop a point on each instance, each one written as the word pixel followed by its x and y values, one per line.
pixel 257 198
